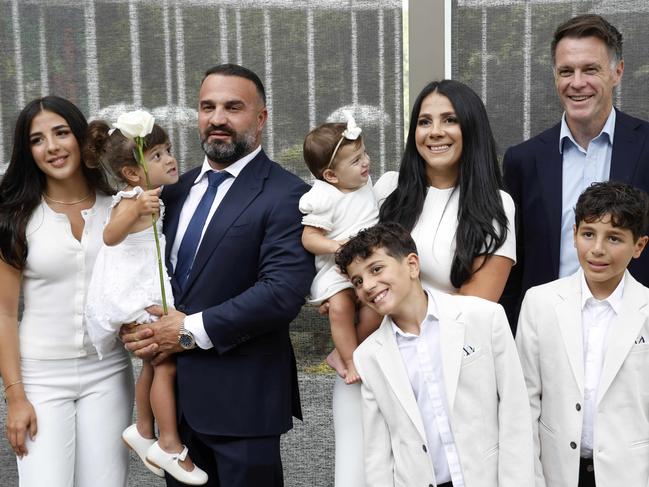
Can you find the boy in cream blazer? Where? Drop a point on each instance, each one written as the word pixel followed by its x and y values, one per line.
pixel 584 347
pixel 443 395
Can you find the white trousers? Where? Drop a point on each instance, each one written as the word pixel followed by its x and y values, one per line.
pixel 348 430
pixel 82 406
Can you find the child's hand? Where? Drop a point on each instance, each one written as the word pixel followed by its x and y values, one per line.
pixel 148 203
pixel 352 374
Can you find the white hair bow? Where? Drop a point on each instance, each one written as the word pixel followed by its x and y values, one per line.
pixel 352 132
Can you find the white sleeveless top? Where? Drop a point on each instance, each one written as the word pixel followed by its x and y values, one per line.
pixel 434 232
pixel 55 281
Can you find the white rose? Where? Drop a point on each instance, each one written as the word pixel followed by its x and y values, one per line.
pixel 135 124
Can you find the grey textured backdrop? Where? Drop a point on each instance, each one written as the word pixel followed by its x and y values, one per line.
pixel 501 48
pixel 315 59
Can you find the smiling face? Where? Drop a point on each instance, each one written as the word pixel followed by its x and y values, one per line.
pixel 438 138
pixel 604 253
pixel 54 147
pixel 351 168
pixel 386 284
pixel 231 116
pixel 585 80
pixel 162 166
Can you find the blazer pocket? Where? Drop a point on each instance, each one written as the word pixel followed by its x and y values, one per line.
pixel 546 427
pixel 640 348
pixel 492 450
pixel 469 359
pixel 239 230
pixel 639 444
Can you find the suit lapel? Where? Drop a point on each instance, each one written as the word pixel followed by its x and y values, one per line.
pixel 626 148
pixel 392 366
pixel 451 341
pixel 568 311
pixel 245 188
pixel 624 330
pixel 172 213
pixel 172 217
pixel 549 163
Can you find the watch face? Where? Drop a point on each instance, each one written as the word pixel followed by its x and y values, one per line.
pixel 186 341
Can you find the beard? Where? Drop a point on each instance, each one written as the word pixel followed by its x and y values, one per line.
pixel 225 153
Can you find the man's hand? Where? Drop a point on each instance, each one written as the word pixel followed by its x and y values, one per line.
pixel 154 341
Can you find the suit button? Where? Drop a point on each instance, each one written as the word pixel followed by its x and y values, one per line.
pixel 578 407
pixel 573 445
pixel 424 448
pixel 181 308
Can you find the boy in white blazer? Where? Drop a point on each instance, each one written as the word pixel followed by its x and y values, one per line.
pixel 584 347
pixel 443 395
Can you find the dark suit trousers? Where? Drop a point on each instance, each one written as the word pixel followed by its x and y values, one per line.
pixel 586 473
pixel 233 461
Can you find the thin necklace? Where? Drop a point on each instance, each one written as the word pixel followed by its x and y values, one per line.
pixel 70 203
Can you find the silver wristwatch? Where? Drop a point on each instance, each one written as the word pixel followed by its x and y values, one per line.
pixel 186 338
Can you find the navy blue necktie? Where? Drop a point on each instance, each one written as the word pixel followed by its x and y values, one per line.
pixel 192 237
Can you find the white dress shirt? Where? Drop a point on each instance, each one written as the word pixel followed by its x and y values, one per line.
pixel 596 319
pixel 194 323
pixel 421 356
pixel 580 168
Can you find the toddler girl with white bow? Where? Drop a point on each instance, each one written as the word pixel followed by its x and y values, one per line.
pixel 339 205
pixel 126 280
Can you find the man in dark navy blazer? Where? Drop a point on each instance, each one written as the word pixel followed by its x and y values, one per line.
pixel 236 293
pixel 593 142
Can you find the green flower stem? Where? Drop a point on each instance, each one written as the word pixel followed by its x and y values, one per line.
pixel 139 142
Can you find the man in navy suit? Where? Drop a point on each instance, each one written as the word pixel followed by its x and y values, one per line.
pixel 239 275
pixel 593 142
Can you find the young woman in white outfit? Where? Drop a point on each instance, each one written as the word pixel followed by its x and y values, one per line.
pixel 340 204
pixel 448 194
pixel 66 409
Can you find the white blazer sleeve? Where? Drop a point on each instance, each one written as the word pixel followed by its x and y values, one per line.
pixel 527 343
pixel 515 463
pixel 377 446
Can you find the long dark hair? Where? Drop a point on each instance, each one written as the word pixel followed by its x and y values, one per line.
pixel 23 184
pixel 479 181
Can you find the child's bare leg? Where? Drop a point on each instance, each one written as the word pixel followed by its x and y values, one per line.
pixel 368 322
pixel 143 412
pixel 342 311
pixel 163 402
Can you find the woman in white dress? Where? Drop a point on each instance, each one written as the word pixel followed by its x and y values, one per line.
pixel 66 409
pixel 448 194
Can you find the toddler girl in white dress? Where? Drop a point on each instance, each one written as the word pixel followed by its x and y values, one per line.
pixel 126 280
pixel 340 204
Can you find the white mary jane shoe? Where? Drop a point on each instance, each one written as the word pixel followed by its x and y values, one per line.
pixel 169 463
pixel 140 445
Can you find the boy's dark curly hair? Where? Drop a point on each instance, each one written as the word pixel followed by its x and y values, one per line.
pixel 389 236
pixel 627 206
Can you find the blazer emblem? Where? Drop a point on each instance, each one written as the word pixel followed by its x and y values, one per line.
pixel 468 350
